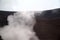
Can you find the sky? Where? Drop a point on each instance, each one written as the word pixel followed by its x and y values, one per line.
pixel 28 5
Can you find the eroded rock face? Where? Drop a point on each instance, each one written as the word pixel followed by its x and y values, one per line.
pixel 47 25
pixel 3 19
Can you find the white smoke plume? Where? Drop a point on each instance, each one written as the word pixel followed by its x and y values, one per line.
pixel 20 27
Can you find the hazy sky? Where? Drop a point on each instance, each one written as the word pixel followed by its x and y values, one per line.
pixel 28 5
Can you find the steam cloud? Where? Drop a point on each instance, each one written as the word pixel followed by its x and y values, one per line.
pixel 20 27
